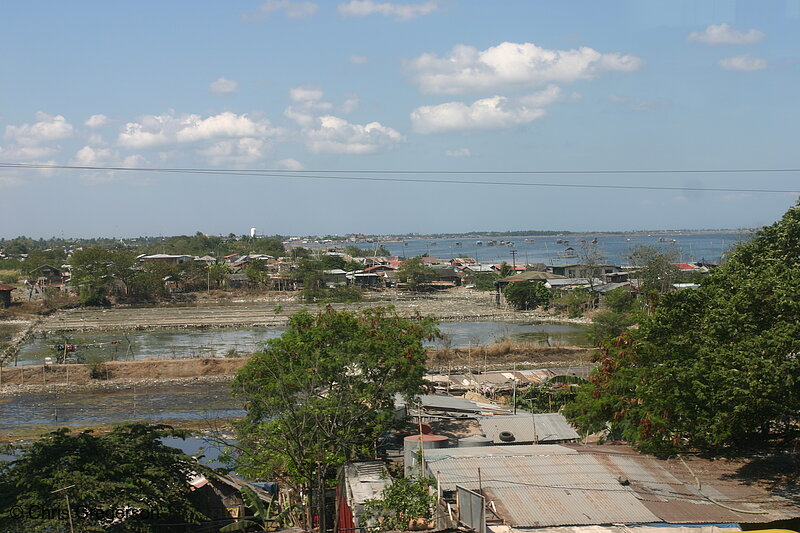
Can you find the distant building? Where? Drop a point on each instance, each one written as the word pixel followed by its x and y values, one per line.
pixel 166 258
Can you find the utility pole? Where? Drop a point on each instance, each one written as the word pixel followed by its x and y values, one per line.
pixel 513 258
pixel 69 511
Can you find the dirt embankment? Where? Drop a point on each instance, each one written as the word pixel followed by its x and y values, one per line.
pixel 450 305
pixel 14 379
pixel 33 378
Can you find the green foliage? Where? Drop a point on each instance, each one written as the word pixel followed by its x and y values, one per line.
pixel 300 252
pixel 9 278
pixel 100 273
pixel 323 392
pixel 39 258
pixel 127 468
pixel 505 270
pixel 402 501
pixel 574 302
pixel 355 251
pixel 332 262
pixel 620 300
pixel 344 294
pixel 608 325
pixel 712 367
pixel 527 295
pixel 484 281
pixel 657 272
pixel 260 511
pixel 551 395
pixel 414 273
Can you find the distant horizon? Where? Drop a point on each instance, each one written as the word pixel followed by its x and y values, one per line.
pixel 434 235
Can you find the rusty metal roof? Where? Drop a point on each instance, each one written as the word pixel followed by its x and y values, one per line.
pixel 544 490
pixel 549 427
pixel 547 486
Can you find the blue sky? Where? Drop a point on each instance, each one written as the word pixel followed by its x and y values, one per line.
pixel 349 85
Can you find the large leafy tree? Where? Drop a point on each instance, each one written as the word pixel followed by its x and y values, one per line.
pixel 414 272
pixel 526 294
pixel 323 393
pixel 127 471
pixel 99 273
pixel 712 367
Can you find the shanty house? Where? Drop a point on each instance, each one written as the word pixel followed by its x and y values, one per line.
pixel 5 295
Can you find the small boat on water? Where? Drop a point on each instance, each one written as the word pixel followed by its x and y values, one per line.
pixel 478 243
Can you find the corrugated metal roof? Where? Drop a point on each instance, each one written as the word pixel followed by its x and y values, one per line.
pixel 438 454
pixel 365 481
pixel 451 403
pixel 542 486
pixel 550 427
pixel 544 490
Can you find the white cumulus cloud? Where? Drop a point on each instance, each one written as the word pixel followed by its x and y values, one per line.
pixel 725 34
pixel 222 86
pixel 461 152
pixel 496 112
pixel 88 156
pixel 308 105
pixel 292 9
pixel 335 135
pixel 744 63
pixel 358 60
pixel 236 152
pixel 396 10
pixel 512 65
pixel 162 130
pixel 289 164
pixel 46 128
pixel 351 103
pixel 97 121
pixel 305 94
pixel 15 152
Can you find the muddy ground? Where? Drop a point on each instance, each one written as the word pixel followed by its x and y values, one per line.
pixel 274 310
pixel 33 378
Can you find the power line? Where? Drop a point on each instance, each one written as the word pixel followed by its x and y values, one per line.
pixel 339 175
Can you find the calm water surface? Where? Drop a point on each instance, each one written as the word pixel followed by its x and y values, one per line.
pixel 218 342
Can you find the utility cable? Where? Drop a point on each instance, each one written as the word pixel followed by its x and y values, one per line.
pixel 338 175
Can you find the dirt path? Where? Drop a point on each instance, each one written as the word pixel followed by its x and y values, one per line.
pixel 452 305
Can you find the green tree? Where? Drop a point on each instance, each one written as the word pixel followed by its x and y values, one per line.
pixel 505 270
pixel 323 393
pixel 656 270
pixel 99 273
pixel 414 272
pixel 332 262
pixel 712 367
pixel 608 325
pixel 404 500
pixel 525 295
pixel 129 468
pixel 258 273
pixel 620 300
pixel 484 281
pixel 355 251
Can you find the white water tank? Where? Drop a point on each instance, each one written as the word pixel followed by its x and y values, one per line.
pixel 252 232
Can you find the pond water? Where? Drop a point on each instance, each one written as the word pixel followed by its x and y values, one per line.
pixel 174 344
pixel 154 403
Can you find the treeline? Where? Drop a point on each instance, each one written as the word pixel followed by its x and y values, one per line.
pixel 711 368
pixel 197 244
